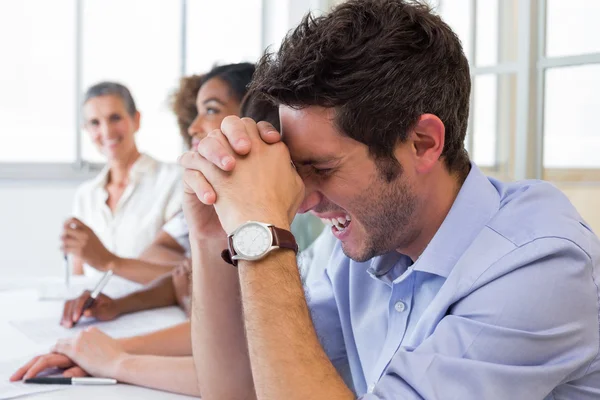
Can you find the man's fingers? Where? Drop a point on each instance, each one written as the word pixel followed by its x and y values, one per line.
pixel 217 152
pixel 198 183
pixel 268 133
pixel 236 134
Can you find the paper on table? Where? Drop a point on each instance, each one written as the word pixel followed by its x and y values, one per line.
pixel 10 390
pixel 48 330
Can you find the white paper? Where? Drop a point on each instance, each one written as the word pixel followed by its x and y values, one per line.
pixel 10 390
pixel 48 330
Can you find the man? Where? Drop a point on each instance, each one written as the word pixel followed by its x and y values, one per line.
pixel 444 284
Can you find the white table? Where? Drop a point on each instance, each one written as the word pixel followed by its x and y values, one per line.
pixel 22 302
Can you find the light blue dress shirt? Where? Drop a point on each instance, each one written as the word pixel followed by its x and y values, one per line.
pixel 502 304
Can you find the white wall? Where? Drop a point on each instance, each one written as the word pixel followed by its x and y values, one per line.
pixel 31 217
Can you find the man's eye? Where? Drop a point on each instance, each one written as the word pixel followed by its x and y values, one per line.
pixel 322 171
pixel 212 111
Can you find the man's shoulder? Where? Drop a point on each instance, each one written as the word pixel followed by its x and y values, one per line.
pixel 534 209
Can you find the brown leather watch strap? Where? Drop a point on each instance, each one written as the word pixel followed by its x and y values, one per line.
pixel 282 238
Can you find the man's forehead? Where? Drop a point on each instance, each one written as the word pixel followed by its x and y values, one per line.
pixel 307 124
pixel 310 134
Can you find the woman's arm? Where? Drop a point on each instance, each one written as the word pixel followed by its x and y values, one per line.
pixel 173 341
pixel 172 374
pixel 77 264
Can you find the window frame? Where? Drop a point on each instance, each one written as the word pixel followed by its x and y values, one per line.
pixel 526 158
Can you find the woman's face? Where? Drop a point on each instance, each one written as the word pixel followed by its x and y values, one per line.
pixel 214 102
pixel 111 128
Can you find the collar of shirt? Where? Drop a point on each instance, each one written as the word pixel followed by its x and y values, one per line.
pixel 476 203
pixel 141 166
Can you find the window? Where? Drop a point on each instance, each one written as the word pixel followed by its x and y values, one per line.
pixel 217 35
pixel 536 70
pixel 38 96
pixel 54 50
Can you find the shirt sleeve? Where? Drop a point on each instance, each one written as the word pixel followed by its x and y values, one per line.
pixel 177 228
pixel 173 205
pixel 322 304
pixel 78 209
pixel 529 324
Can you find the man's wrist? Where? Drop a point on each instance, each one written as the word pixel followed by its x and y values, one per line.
pixel 273 219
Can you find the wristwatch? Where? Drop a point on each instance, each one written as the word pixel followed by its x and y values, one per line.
pixel 254 240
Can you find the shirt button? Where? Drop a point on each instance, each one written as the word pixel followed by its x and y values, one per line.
pixel 400 306
pixel 371 388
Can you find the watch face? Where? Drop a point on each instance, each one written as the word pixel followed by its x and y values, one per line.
pixel 252 240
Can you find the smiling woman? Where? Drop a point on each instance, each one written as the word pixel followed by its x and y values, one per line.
pixel 134 195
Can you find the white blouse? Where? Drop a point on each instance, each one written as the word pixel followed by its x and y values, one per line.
pixel 152 197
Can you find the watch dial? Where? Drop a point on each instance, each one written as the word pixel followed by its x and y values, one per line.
pixel 252 240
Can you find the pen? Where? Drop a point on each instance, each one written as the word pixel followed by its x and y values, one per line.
pixel 59 380
pixel 90 301
pixel 67 272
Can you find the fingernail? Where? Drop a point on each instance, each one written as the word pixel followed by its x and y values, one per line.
pixel 225 161
pixel 206 196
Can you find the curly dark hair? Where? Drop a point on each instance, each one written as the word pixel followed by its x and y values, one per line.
pixel 183 104
pixel 380 64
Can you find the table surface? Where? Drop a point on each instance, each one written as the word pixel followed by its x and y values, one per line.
pixel 20 301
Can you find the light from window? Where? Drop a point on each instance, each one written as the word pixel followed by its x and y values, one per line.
pixel 221 32
pixel 136 43
pixel 457 14
pixel 571 134
pixel 37 99
pixel 485 120
pixel 572 27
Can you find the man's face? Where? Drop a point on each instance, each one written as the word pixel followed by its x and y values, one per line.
pixel 344 185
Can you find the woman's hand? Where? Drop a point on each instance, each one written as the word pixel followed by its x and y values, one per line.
pixel 94 351
pixel 80 240
pixel 48 361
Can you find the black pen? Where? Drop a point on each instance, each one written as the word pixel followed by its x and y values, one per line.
pixel 59 380
pixel 90 301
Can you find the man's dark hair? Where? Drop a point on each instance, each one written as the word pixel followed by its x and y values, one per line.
pixel 258 107
pixel 380 64
pixel 237 76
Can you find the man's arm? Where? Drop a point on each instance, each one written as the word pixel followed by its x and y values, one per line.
pixel 287 359
pixel 218 337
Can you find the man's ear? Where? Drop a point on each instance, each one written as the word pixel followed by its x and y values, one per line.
pixel 427 140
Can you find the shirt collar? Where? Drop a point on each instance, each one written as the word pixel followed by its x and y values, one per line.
pixel 476 203
pixel 142 165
